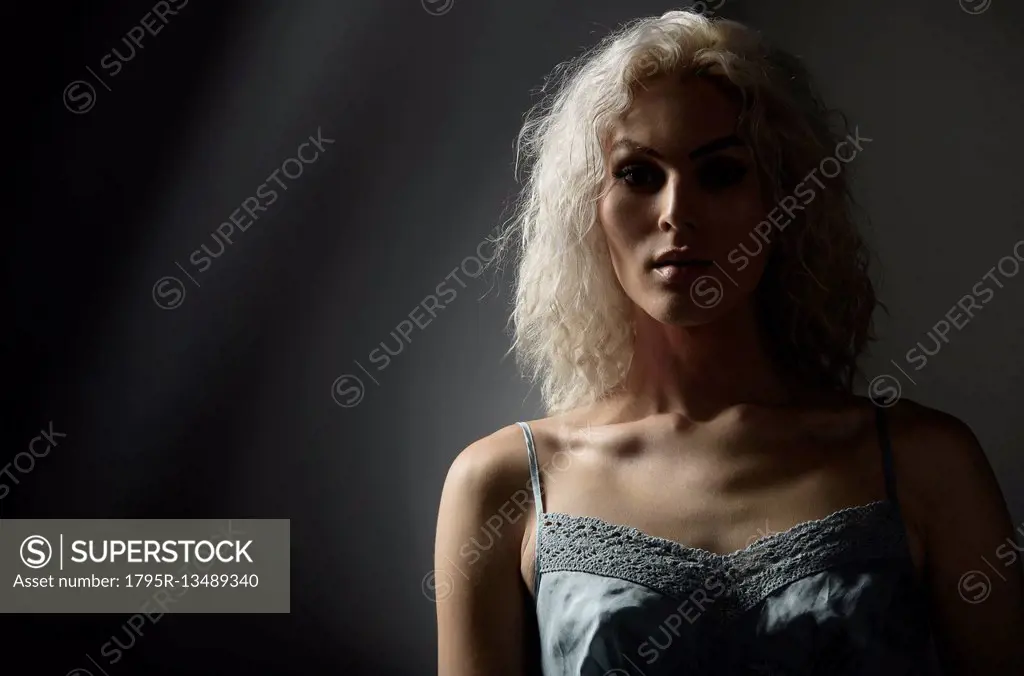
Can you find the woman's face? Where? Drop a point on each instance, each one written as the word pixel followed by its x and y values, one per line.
pixel 677 178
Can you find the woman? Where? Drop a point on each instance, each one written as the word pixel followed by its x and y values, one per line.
pixel 707 496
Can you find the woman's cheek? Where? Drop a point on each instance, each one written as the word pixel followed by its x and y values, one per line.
pixel 624 213
pixel 623 219
pixel 734 220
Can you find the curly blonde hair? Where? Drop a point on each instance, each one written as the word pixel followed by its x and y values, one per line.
pixel 572 328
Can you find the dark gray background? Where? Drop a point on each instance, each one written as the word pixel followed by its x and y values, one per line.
pixel 223 407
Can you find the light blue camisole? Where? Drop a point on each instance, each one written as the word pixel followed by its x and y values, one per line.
pixel 836 596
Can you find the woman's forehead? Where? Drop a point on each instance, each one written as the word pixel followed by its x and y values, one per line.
pixel 674 117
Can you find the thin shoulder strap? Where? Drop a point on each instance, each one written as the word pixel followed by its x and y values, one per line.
pixel 538 502
pixel 534 470
pixel 887 464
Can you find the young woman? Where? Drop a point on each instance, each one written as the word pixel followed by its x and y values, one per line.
pixel 707 496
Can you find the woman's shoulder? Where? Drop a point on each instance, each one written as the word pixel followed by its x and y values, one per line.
pixel 497 465
pixel 937 455
pixel 912 426
pixel 491 466
pixel 919 430
pixel 965 520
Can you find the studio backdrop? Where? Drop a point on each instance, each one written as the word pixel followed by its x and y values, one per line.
pixel 251 281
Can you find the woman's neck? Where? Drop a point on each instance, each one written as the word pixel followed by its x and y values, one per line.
pixel 700 371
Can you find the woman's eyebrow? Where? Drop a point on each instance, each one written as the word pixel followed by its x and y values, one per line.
pixel 710 147
pixel 716 145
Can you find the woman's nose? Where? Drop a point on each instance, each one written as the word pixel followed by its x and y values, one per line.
pixel 677 207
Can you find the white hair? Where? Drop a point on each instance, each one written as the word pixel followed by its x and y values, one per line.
pixel 572 327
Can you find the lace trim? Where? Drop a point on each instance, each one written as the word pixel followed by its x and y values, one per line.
pixel 743 578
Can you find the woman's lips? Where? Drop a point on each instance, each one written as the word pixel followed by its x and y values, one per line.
pixel 674 272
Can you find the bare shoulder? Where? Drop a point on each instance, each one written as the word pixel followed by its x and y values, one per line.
pixel 909 416
pixel 490 478
pixel 490 470
pixel 966 526
pixel 936 448
pixel 941 465
pixel 477 557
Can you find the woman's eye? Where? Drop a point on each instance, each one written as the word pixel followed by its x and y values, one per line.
pixel 638 175
pixel 716 175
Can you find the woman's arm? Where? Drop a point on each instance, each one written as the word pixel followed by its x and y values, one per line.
pixel 973 572
pixel 480 525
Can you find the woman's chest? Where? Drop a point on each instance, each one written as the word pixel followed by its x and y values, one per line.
pixel 712 493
